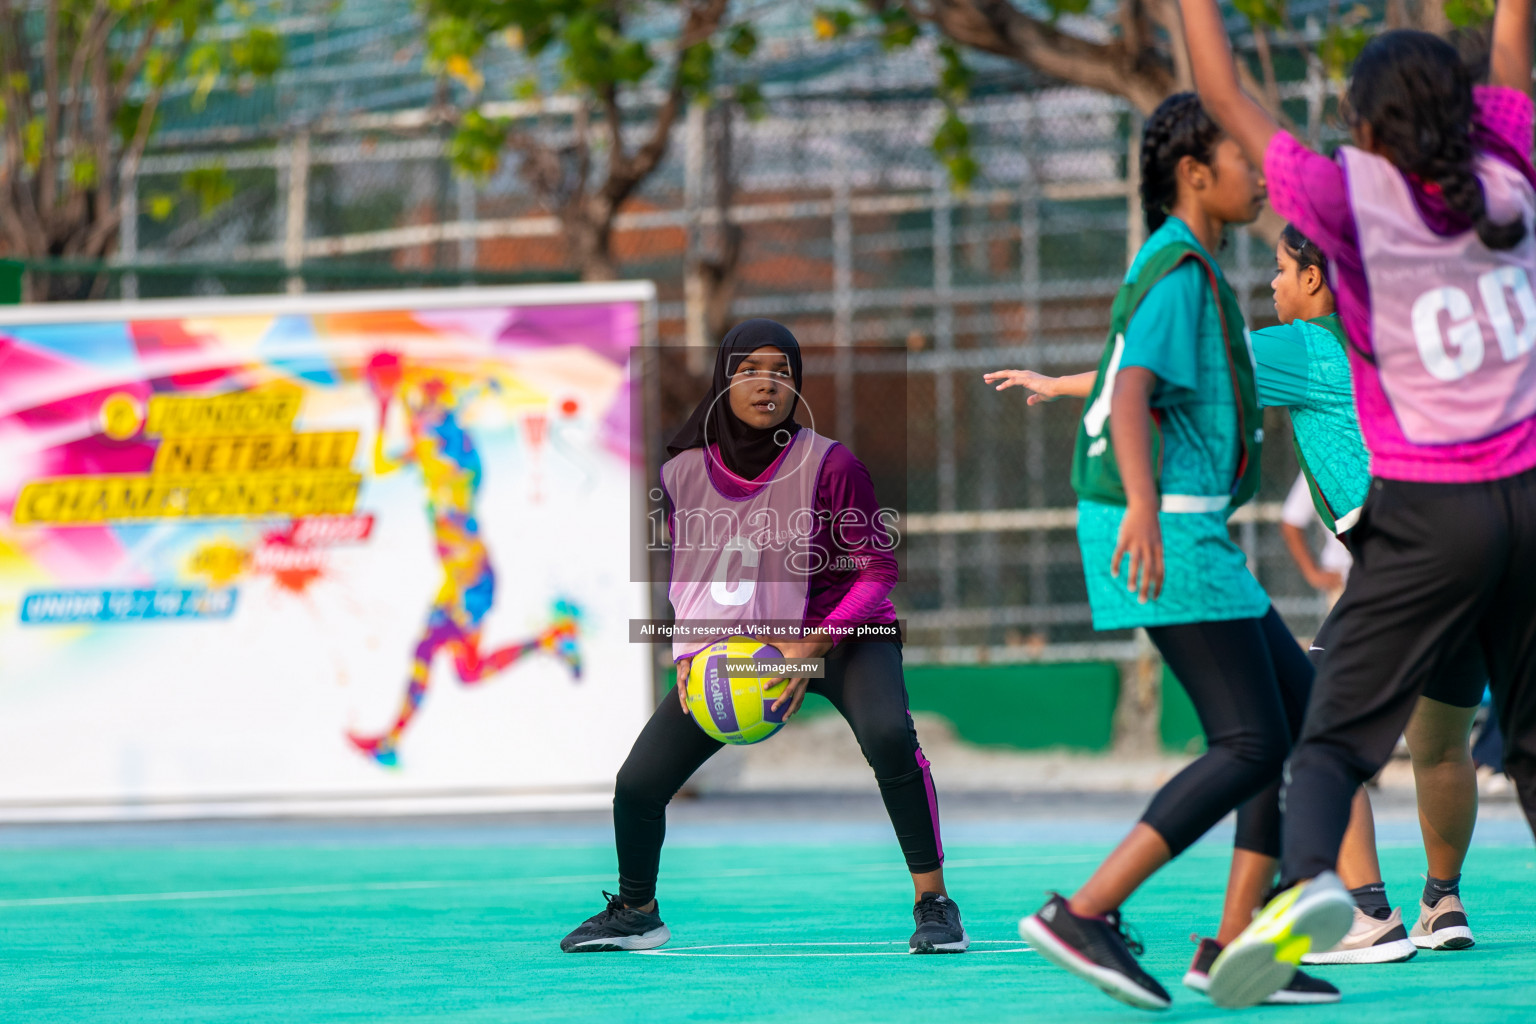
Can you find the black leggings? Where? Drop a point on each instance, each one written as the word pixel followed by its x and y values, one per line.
pixel 1249 681
pixel 864 682
pixel 1439 569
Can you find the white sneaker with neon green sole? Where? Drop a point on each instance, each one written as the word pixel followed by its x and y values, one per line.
pixel 1264 958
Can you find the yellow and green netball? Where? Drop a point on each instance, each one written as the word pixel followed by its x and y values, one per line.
pixel 735 709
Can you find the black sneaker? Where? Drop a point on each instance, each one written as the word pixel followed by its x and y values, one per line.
pixel 1100 950
pixel 617 928
pixel 938 926
pixel 1303 987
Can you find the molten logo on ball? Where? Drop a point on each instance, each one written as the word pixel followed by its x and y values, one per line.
pixel 734 709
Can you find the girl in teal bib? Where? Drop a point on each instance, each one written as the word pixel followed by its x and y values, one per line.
pixel 1168 446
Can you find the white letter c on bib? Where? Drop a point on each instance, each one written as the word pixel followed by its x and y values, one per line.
pixel 734 593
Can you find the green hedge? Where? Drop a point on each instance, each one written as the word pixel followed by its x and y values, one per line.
pixel 1036 707
pixel 1024 707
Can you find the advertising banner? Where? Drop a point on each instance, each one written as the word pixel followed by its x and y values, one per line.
pixel 328 554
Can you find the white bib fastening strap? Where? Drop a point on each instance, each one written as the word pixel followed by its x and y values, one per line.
pixel 1195 502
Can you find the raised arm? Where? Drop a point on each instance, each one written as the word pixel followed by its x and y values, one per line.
pixel 1210 56
pixel 1510 60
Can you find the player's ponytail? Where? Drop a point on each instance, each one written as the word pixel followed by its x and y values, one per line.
pixel 1179 127
pixel 1415 93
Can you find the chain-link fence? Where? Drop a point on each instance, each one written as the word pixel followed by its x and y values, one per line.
pixel 831 214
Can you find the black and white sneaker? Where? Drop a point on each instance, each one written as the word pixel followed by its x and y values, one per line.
pixel 938 926
pixel 1302 989
pixel 617 928
pixel 1100 950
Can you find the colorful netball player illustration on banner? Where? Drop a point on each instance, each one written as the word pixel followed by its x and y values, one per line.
pixel 433 401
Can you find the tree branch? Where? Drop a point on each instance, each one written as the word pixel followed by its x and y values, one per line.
pixel 996 26
pixel 618 160
pixel 47 171
pixel 102 131
pixel 1271 87
pixel 135 64
pixel 109 220
pixel 18 103
pixel 702 23
pixel 10 219
pixel 89 51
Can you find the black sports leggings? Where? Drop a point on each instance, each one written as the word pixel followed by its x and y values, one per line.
pixel 1249 681
pixel 865 684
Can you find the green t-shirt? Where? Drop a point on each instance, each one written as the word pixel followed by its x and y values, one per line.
pixel 1193 398
pixel 1176 333
pixel 1303 366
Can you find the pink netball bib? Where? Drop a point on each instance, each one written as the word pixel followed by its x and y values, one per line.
pixel 1453 323
pixel 742 560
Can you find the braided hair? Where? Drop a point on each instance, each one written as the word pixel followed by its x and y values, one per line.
pixel 1179 127
pixel 1416 94
pixel 1303 250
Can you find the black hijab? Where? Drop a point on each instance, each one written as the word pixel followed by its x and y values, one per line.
pixel 745 450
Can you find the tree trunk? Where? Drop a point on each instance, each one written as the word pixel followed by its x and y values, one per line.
pixel 589 232
pixel 718 269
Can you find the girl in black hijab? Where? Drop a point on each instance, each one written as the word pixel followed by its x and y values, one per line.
pixel 745 450
pixel 741 454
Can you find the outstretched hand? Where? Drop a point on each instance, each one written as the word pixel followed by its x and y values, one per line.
pixel 1042 388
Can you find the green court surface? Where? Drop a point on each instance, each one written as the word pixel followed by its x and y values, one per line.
pixel 782 921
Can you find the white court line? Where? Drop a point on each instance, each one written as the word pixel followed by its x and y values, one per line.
pixel 226 894
pixel 693 950
pixel 345 887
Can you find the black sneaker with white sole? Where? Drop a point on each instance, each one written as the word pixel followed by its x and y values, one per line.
pixel 617 928
pixel 1100 950
pixel 1303 988
pixel 938 926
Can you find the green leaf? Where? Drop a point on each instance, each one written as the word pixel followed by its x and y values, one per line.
pixel 742 40
pixel 82 172
pixel 952 136
pixel 210 186
pixel 750 96
pixel 32 143
pixel 954 77
pixel 1468 13
pixel 450 37
pixel 962 170
pixel 831 22
pixel 161 206
pixel 598 56
pixel 1339 48
pixel 697 68
pixel 897 29
pixel 475 149
pixel 259 52
pixel 1060 7
pixel 1262 12
pixel 204 66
